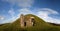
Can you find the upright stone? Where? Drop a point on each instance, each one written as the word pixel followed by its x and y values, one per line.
pixel 22 20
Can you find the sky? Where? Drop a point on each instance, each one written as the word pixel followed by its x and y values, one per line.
pixel 48 10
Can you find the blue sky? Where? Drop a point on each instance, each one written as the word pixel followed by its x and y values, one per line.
pixel 48 10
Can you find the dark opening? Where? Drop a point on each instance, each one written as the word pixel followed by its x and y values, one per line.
pixel 24 23
pixel 32 20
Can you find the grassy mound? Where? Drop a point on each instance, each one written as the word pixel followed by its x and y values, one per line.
pixel 40 25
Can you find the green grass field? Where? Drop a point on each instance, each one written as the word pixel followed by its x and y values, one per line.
pixel 40 25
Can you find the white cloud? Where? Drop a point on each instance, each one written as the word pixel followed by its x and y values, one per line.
pixel 24 4
pixel 25 11
pixel 11 12
pixel 2 17
pixel 49 11
pixel 44 14
pixel 21 3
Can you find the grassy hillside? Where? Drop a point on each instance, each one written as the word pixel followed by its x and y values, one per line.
pixel 40 25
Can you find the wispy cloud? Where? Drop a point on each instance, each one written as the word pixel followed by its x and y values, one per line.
pixel 20 3
pixel 11 12
pixel 2 17
pixel 51 11
pixel 25 11
pixel 26 4
pixel 44 14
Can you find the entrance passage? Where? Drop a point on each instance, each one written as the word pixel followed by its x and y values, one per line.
pixel 24 23
pixel 33 21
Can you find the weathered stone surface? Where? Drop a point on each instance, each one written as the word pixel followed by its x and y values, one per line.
pixel 26 21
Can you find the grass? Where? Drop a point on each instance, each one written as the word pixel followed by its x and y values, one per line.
pixel 40 25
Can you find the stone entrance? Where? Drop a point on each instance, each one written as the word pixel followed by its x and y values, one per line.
pixel 30 21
